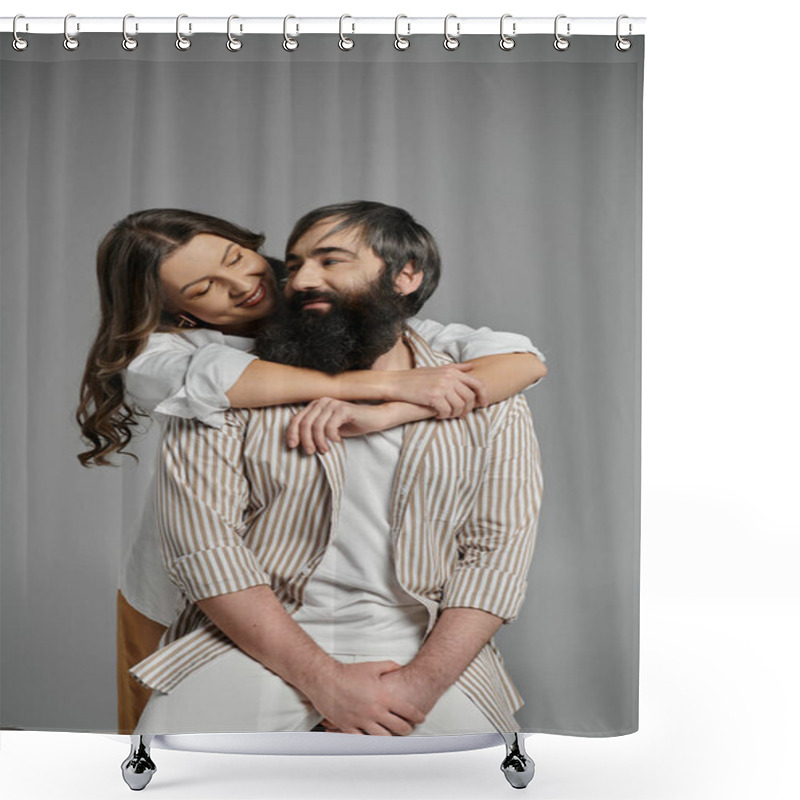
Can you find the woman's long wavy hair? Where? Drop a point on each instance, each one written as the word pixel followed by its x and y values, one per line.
pixel 131 308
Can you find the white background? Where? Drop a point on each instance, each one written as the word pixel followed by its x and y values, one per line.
pixel 720 545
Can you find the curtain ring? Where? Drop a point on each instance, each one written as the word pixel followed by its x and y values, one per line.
pixel 561 43
pixel 344 42
pixel 623 44
pixel 451 42
pixel 233 44
pixel 19 43
pixel 181 42
pixel 128 42
pixel 70 42
pixel 507 42
pixel 290 44
pixel 400 42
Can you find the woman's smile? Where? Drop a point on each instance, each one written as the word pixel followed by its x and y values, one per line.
pixel 256 297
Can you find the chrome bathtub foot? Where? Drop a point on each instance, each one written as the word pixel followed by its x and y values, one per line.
pixel 517 766
pixel 138 768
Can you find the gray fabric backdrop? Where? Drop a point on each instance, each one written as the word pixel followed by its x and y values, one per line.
pixel 526 166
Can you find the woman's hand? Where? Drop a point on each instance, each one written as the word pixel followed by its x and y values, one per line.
pixel 449 390
pixel 328 419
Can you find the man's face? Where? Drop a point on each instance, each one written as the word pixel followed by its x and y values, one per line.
pixel 323 262
pixel 342 309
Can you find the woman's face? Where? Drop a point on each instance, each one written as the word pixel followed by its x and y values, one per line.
pixel 219 282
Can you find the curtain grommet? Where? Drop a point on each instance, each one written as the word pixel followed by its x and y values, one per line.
pixel 181 42
pixel 451 42
pixel 561 43
pixel 401 42
pixel 622 44
pixel 70 42
pixel 19 44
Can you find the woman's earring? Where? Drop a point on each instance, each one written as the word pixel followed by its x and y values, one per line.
pixel 185 321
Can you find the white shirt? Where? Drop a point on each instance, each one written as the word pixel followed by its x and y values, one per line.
pixel 353 602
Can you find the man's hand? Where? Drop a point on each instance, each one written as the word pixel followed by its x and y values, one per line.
pixel 456 638
pixel 408 684
pixel 405 686
pixel 353 698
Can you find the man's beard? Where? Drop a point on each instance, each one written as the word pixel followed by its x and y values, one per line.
pixel 356 329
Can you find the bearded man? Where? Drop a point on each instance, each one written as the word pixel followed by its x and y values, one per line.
pixel 354 584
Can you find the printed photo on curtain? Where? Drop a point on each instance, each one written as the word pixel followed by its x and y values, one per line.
pixel 320 393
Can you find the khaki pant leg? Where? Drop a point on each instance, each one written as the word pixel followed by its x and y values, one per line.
pixel 137 638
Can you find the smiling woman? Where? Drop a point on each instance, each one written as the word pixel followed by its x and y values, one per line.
pixel 219 282
pixel 133 307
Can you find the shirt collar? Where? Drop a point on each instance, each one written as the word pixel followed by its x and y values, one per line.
pixel 424 354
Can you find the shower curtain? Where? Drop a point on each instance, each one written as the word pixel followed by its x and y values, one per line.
pixel 526 167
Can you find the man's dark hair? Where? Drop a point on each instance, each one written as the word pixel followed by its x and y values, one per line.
pixel 393 234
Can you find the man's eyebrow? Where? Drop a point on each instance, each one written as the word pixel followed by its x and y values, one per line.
pixel 222 261
pixel 292 258
pixel 321 251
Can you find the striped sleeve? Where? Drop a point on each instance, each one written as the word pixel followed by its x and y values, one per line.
pixel 495 544
pixel 202 495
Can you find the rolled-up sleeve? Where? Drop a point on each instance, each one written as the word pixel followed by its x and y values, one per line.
pixel 496 542
pixel 463 343
pixel 173 378
pixel 202 500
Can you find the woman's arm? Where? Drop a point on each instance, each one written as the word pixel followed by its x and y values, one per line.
pixel 445 389
pixel 197 375
pixel 491 378
pixel 506 362
pixel 508 374
pixel 330 419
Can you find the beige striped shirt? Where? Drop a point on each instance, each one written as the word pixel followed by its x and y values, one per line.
pixel 237 509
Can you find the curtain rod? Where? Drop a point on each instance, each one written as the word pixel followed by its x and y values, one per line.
pixel 405 26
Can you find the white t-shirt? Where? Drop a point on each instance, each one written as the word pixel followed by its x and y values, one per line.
pixel 187 374
pixel 353 602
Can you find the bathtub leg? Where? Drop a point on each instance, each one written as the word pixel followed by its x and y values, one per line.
pixel 518 766
pixel 138 768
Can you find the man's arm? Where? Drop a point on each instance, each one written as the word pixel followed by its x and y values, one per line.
pixel 256 621
pixel 458 636
pixel 203 493
pixel 351 696
pixel 495 550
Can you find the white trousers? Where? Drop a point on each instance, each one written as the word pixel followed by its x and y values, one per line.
pixel 236 694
